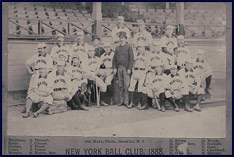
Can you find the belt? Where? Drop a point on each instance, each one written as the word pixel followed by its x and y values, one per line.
pixel 76 79
pixel 59 89
pixel 139 68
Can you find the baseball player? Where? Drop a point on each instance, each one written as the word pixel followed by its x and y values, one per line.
pixel 142 36
pixel 42 56
pixel 177 88
pixel 120 28
pixel 63 88
pixel 39 91
pixel 169 43
pixel 140 68
pixel 58 48
pixel 106 71
pixel 182 52
pixel 78 82
pixel 203 69
pixel 194 83
pixel 94 63
pixel 156 82
pixel 122 63
pixel 79 48
pixel 157 55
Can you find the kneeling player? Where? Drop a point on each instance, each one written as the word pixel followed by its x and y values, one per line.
pixel 194 83
pixel 155 83
pixel 40 91
pixel 177 88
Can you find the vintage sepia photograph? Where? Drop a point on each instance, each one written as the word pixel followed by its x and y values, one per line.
pixel 115 69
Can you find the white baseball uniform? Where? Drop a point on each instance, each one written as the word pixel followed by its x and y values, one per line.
pixel 81 51
pixel 158 57
pixel 183 54
pixel 92 71
pixel 108 71
pixel 39 87
pixel 143 37
pixel 56 50
pixel 177 86
pixel 140 68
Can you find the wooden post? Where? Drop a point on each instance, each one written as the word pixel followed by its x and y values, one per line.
pixel 180 18
pixel 167 5
pixel 97 17
pixel 4 72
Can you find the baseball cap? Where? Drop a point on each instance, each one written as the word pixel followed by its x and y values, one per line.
pixel 173 67
pixel 61 63
pixel 180 37
pixel 41 45
pixel 120 18
pixel 170 27
pixel 106 44
pixel 122 34
pixel 141 44
pixel 40 65
pixel 189 60
pixel 200 52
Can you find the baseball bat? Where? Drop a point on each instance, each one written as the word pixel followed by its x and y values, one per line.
pixel 156 100
pixel 97 93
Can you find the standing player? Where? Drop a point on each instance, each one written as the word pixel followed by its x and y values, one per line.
pixel 39 91
pixel 80 48
pixel 58 48
pixel 122 64
pixel 157 55
pixel 194 83
pixel 140 68
pixel 120 28
pixel 182 52
pixel 142 36
pixel 42 56
pixel 169 43
pixel 204 70
pixel 177 88
pixel 156 82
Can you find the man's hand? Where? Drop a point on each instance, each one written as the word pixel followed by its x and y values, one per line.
pixel 115 71
pixel 129 72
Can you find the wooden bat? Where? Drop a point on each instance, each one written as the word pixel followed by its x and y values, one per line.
pixel 156 100
pixel 97 93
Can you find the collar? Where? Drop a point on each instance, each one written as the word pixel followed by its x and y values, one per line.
pixel 107 54
pixel 39 55
pixel 200 61
pixel 186 70
pixel 60 74
pixel 174 75
pixel 43 77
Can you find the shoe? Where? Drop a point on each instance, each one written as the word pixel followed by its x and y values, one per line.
pixel 24 110
pixel 187 108
pixel 145 107
pixel 177 109
pixel 104 104
pixel 120 104
pixel 163 109
pixel 129 105
pixel 35 115
pixel 26 115
pixel 197 108
pixel 83 107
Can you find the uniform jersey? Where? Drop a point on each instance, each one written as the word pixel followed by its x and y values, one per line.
pixel 202 68
pixel 143 37
pixel 76 73
pixel 176 83
pixel 116 30
pixel 107 60
pixel 154 81
pixel 61 82
pixel 47 59
pixel 141 61
pixel 158 57
pixel 93 64
pixel 183 55
pixel 56 50
pixel 169 42
pixel 43 84
pixel 191 77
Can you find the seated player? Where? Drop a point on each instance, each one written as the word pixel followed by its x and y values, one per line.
pixel 78 83
pixel 106 71
pixel 203 70
pixel 194 83
pixel 140 68
pixel 93 67
pixel 155 83
pixel 182 53
pixel 62 88
pixel 177 89
pixel 39 91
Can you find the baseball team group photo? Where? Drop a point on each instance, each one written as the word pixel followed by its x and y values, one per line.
pixel 125 69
